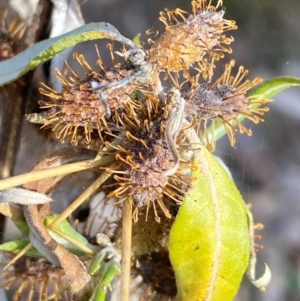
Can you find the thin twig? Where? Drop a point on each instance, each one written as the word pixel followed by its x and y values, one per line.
pixel 19 255
pixel 46 173
pixel 126 250
pixel 87 193
pixel 74 241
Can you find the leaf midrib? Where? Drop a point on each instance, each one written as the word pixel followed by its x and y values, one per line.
pixel 207 171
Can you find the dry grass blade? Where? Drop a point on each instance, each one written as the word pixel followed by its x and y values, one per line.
pixel 47 173
pixel 75 242
pixel 126 250
pixel 87 193
pixel 19 255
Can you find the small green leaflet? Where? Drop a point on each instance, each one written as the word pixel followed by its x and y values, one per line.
pixel 67 229
pixel 41 52
pixel 273 86
pixel 16 246
pixel 210 240
pixel 268 89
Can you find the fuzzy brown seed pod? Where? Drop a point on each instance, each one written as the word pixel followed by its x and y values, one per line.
pixel 11 43
pixel 143 157
pixel 10 35
pixel 35 278
pixel 191 37
pixel 224 100
pixel 79 106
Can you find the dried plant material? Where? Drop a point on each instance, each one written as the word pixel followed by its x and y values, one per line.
pixel 145 159
pixel 11 43
pixel 80 106
pixel 12 211
pixel 35 278
pixel 126 245
pixel 10 35
pixel 60 157
pixel 78 279
pixel 263 281
pixel 174 117
pixel 146 234
pixel 146 140
pixel 96 102
pixel 156 270
pixel 23 196
pixel 95 105
pixel 74 269
pixel 151 258
pixel 191 37
pixel 224 100
pixel 151 272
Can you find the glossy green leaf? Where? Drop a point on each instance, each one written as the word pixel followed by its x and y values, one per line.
pixel 43 51
pixel 268 89
pixel 210 240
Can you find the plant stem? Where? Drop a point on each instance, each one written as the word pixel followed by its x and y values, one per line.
pixel 75 242
pixel 45 173
pixel 87 193
pixel 126 250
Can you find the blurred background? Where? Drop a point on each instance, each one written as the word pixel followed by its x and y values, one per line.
pixel 266 166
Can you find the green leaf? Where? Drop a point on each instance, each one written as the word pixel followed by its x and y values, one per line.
pixel 39 53
pixel 273 86
pixel 210 240
pixel 268 89
pixel 137 40
pixel 15 246
pixel 66 228
pixel 22 226
pixel 109 271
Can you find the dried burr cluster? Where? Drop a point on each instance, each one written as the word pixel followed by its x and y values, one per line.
pixel 37 275
pixel 10 35
pixel 141 131
pixel 142 127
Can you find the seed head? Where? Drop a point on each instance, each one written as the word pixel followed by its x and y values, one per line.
pixel 144 156
pixel 79 106
pixel 224 100
pixel 35 277
pixel 10 35
pixel 11 43
pixel 189 37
